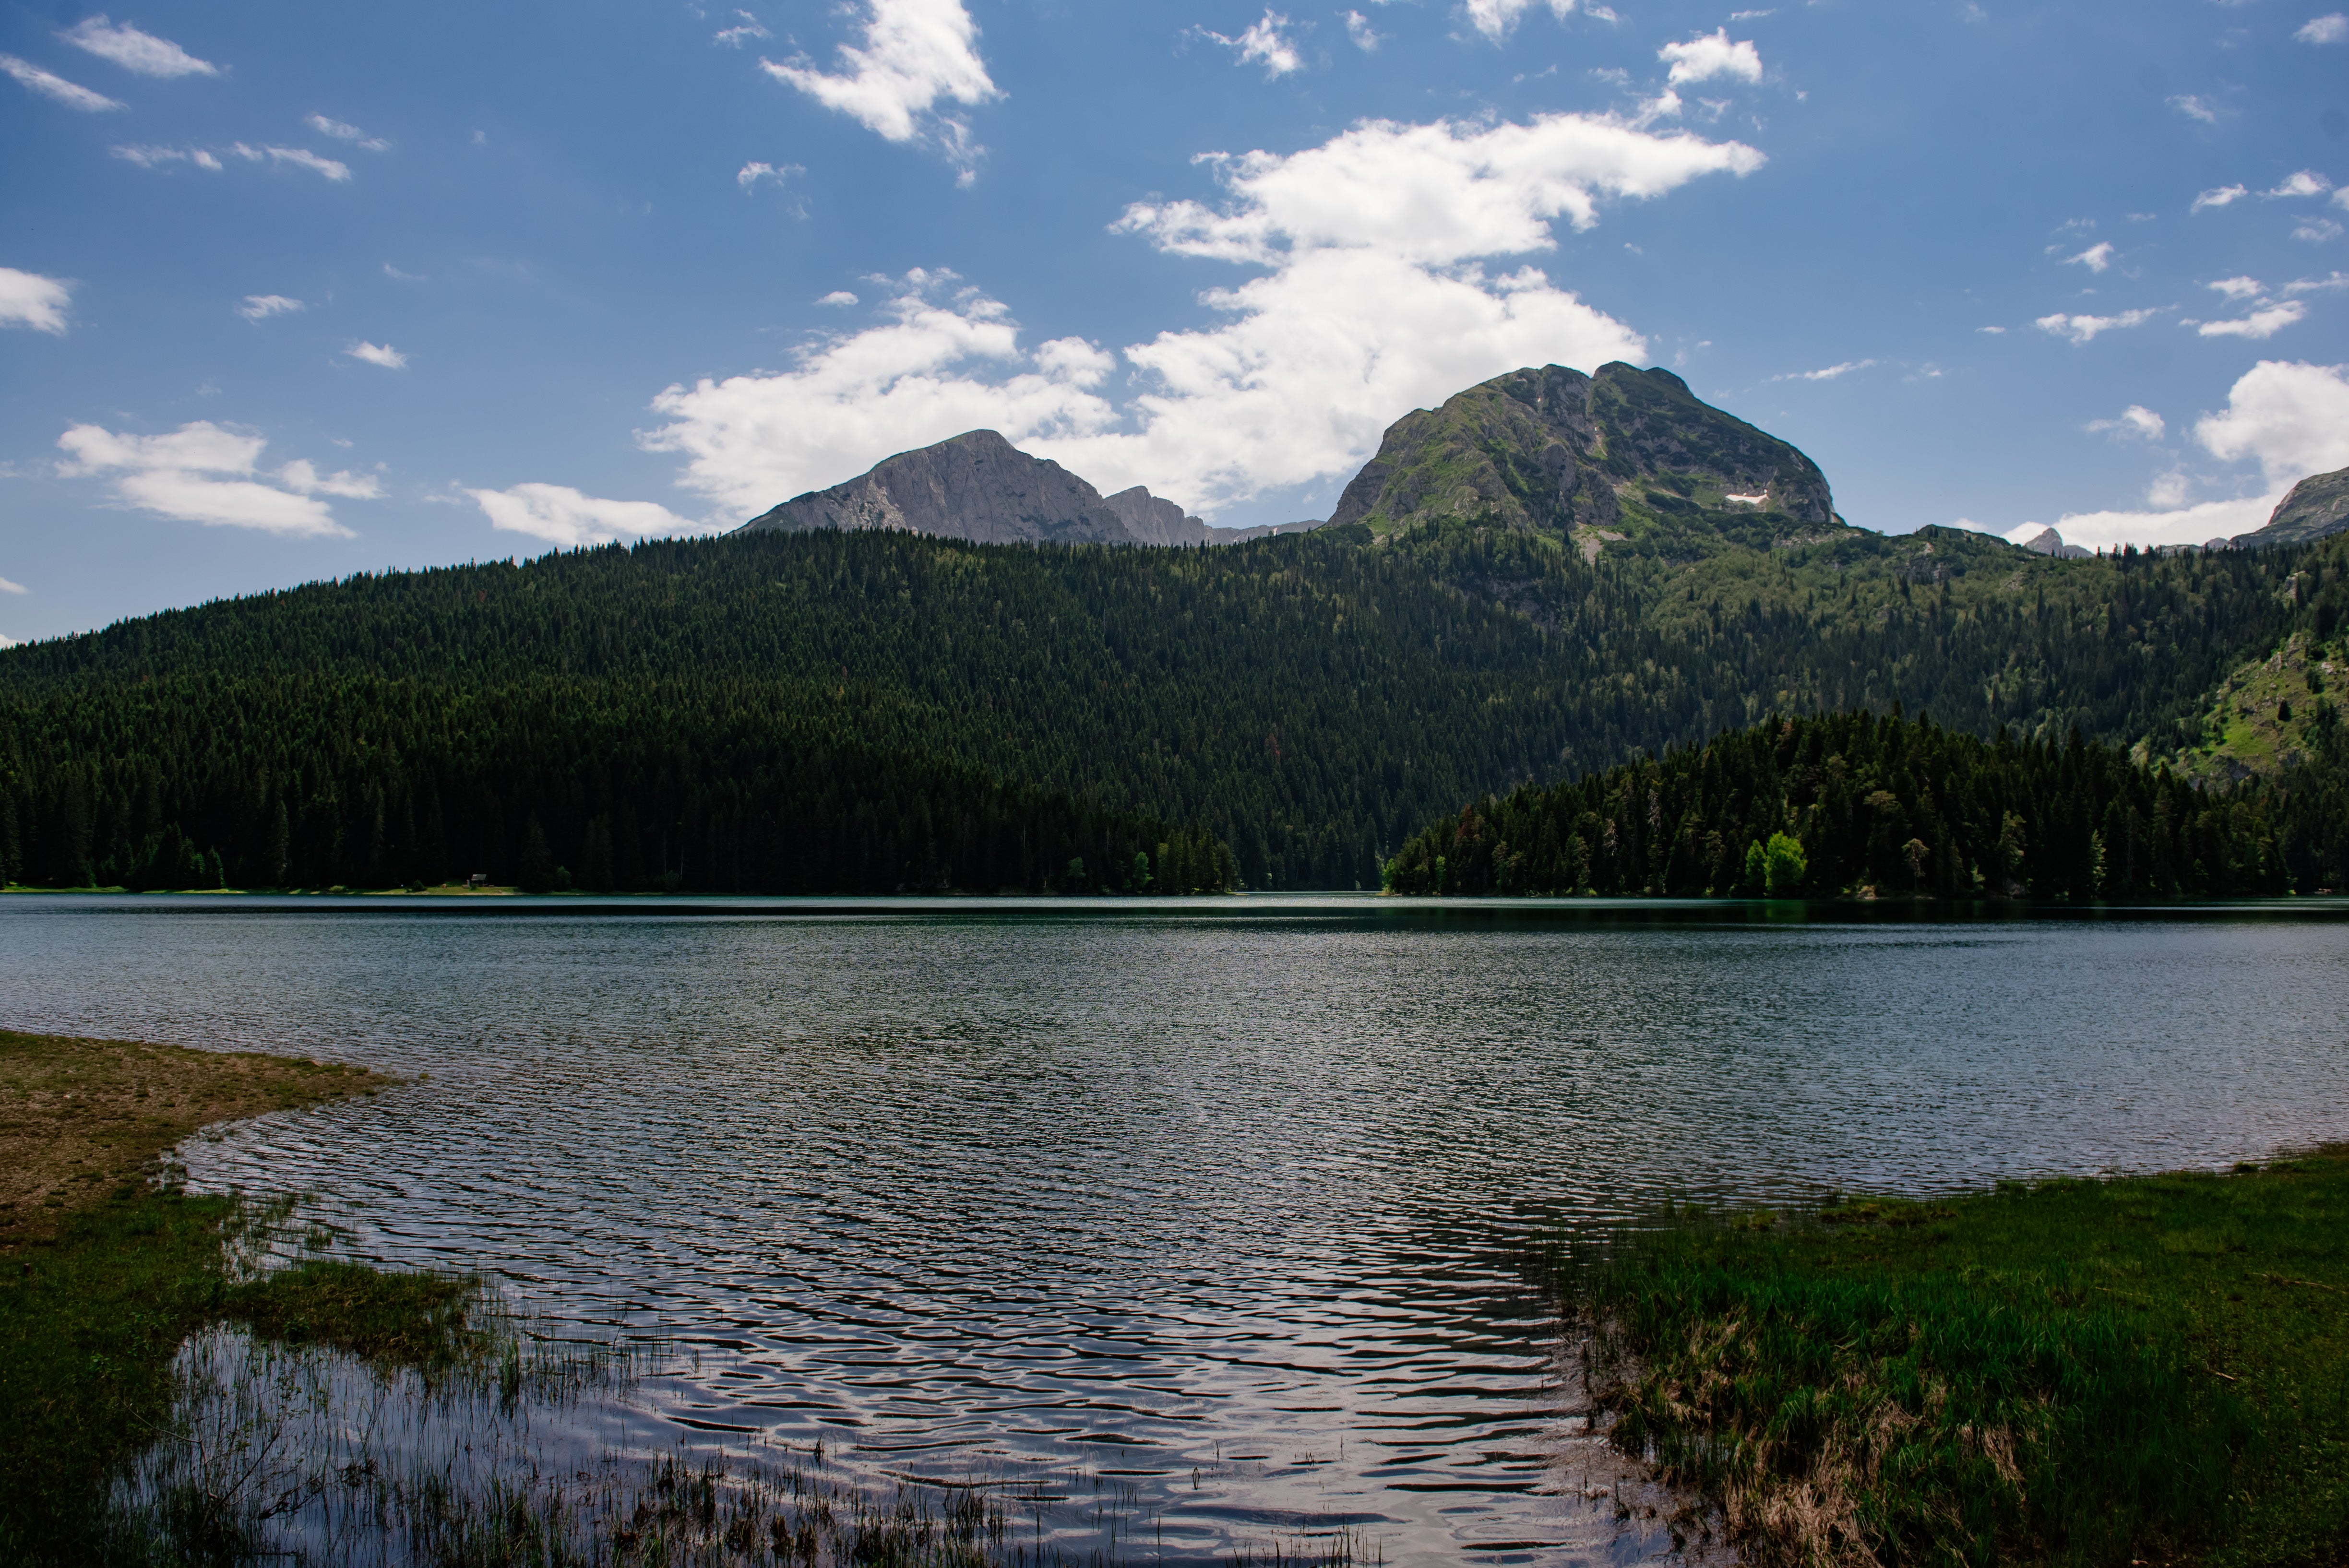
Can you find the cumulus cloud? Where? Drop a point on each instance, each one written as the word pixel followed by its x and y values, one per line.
pixel 179 476
pixel 49 85
pixel 8 587
pixel 1372 297
pixel 2196 108
pixel 2317 285
pixel 2237 288
pixel 1496 18
pixel 133 50
pixel 381 353
pixel 2293 418
pixel 2307 182
pixel 2095 258
pixel 1830 374
pixel 299 157
pixel 2224 195
pixel 2135 420
pixel 1265 44
pixel 565 516
pixel 2083 328
pixel 341 131
pixel 1358 29
pixel 915 54
pixel 28 299
pixel 2317 231
pixel 2333 29
pixel 260 307
pixel 2261 324
pixel 1706 58
pixel 837 297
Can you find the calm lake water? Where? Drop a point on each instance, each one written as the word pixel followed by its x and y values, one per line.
pixel 1220 1201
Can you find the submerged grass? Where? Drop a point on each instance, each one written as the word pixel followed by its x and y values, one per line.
pixel 2144 1370
pixel 104 1273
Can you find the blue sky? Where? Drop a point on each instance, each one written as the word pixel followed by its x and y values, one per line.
pixel 292 291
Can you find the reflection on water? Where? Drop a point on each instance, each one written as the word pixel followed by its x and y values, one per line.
pixel 1219 1201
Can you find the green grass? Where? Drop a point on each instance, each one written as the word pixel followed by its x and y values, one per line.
pixel 90 1320
pixel 2143 1370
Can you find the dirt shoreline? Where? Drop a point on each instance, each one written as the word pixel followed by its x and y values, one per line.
pixel 81 1117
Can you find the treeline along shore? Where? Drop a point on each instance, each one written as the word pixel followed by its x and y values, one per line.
pixel 1885 806
pixel 875 712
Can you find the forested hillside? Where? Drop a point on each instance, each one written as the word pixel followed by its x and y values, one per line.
pixel 1311 700
pixel 1882 806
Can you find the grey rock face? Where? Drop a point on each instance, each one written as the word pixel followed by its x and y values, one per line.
pixel 980 487
pixel 976 486
pixel 2318 505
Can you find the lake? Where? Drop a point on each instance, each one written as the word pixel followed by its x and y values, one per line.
pixel 1220 1201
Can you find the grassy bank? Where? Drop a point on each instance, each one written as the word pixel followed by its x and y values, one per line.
pixel 2137 1371
pixel 103 1275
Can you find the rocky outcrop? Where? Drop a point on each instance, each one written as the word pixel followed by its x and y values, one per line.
pixel 980 487
pixel 1623 453
pixel 2318 505
pixel 976 486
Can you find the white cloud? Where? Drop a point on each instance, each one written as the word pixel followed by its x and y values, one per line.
pixel 51 86
pixel 2135 420
pixel 564 516
pixel 133 50
pixel 1704 57
pixel 838 296
pixel 299 475
pixel 8 642
pixel 2183 525
pixel 1497 17
pixel 2196 108
pixel 734 37
pixel 174 475
pixel 750 174
pixel 341 131
pixel 1830 374
pixel 391 271
pixel 28 299
pixel 2294 418
pixel 2317 285
pixel 1358 29
pixel 2341 197
pixel 2095 258
pixel 915 53
pixel 260 307
pixel 2237 288
pixel 2262 324
pixel 2333 29
pixel 156 157
pixel 2317 231
pixel 2307 182
pixel 2224 195
pixel 300 157
pixel 2082 328
pixel 1372 298
pixel 8 587
pixel 381 353
pixel 1264 43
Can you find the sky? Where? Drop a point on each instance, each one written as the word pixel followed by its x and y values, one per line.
pixel 290 290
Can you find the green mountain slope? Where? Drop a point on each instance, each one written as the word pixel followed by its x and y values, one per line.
pixel 1626 455
pixel 1310 700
